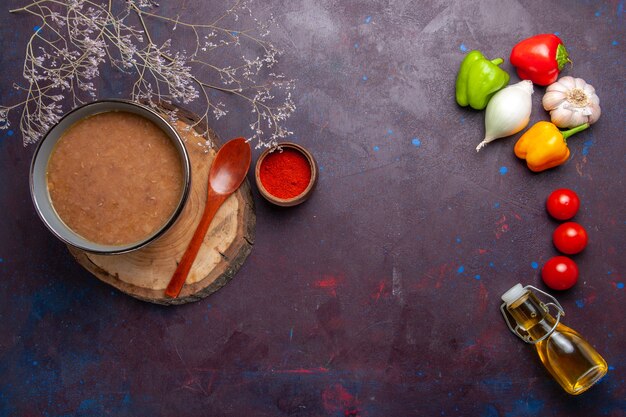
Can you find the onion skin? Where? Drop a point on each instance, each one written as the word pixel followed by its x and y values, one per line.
pixel 508 112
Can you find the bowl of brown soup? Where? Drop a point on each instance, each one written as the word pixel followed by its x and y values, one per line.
pixel 110 177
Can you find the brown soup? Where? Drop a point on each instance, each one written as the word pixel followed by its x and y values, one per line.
pixel 115 178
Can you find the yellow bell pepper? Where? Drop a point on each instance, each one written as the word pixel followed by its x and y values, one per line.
pixel 544 146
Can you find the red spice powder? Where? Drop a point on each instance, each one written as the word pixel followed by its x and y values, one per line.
pixel 285 174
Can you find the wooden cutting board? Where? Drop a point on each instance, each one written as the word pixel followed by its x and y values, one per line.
pixel 145 273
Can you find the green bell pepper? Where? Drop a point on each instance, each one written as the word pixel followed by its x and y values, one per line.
pixel 478 80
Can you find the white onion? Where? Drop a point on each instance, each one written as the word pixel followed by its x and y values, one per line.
pixel 508 112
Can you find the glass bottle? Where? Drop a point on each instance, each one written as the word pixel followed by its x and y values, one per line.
pixel 571 360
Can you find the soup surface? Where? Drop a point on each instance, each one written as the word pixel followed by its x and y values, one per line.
pixel 114 178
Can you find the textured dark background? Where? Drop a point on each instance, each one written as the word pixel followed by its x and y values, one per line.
pixel 380 295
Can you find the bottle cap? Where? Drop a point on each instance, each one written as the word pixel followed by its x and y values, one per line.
pixel 513 294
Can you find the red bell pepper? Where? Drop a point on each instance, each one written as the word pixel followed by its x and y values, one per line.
pixel 539 58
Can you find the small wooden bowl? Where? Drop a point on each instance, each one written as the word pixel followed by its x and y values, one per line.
pixel 302 197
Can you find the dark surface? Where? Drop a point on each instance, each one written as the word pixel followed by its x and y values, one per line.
pixel 380 295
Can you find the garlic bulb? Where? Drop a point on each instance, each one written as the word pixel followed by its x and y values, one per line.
pixel 571 102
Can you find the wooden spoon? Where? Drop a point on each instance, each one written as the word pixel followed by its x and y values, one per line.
pixel 228 171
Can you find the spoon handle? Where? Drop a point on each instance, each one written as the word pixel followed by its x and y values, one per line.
pixel 214 201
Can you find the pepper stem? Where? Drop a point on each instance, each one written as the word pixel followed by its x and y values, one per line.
pixel 562 57
pixel 567 133
pixel 497 61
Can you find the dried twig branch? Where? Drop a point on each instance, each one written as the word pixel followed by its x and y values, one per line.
pixel 78 37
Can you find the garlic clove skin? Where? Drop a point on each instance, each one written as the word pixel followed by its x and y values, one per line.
pixel 567 82
pixel 553 99
pixel 577 118
pixel 560 116
pixel 580 83
pixel 571 102
pixel 558 87
pixel 595 114
pixel 589 90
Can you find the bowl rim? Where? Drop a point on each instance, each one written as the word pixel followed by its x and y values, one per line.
pixel 115 249
pixel 304 195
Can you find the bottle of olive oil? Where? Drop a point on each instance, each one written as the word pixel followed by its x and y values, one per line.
pixel 571 360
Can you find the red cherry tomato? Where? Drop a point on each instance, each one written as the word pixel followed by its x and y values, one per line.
pixel 560 273
pixel 562 204
pixel 570 238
